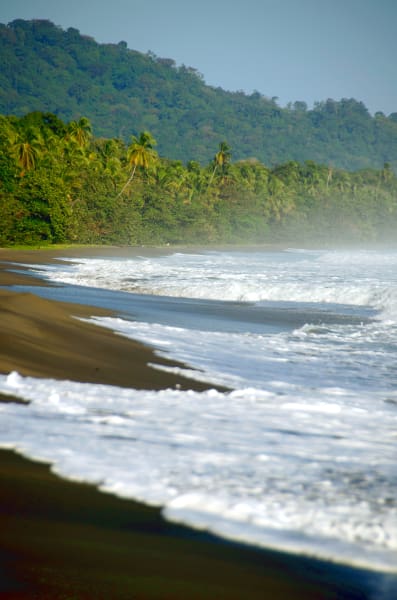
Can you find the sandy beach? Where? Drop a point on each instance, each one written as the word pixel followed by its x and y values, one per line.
pixel 60 539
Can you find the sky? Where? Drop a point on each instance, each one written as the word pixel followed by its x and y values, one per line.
pixel 295 50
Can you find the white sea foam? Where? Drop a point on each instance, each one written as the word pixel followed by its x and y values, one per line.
pixel 300 455
pixel 357 357
pixel 306 474
pixel 315 277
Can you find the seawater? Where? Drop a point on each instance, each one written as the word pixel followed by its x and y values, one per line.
pixel 300 454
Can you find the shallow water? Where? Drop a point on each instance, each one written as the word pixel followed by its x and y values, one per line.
pixel 300 455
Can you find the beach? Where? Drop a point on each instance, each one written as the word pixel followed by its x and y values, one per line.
pixel 62 539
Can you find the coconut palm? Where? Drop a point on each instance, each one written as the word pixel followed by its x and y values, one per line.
pixel 27 149
pixel 221 158
pixel 80 131
pixel 141 154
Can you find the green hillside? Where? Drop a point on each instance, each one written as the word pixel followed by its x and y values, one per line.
pixel 123 92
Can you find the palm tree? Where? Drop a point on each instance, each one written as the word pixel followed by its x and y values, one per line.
pixel 80 131
pixel 221 158
pixel 141 154
pixel 27 149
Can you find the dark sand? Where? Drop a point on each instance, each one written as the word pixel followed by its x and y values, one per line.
pixel 63 540
pixel 40 338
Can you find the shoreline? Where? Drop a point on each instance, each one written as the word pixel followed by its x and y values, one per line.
pixel 42 338
pixel 60 537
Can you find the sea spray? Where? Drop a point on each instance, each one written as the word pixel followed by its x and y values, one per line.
pixel 299 455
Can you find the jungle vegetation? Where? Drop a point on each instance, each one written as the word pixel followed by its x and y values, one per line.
pixel 61 184
pixel 124 92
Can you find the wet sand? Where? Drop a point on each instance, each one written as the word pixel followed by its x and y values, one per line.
pixel 41 338
pixel 60 539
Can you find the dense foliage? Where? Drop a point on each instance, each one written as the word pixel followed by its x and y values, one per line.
pixel 59 183
pixel 123 92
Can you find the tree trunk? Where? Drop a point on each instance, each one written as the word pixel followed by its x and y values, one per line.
pixel 128 182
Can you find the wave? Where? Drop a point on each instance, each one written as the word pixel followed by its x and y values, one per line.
pixel 362 279
pixel 359 358
pixel 297 462
pixel 306 474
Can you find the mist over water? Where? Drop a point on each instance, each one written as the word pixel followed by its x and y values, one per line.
pixel 300 455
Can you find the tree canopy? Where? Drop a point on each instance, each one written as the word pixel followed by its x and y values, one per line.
pixel 124 92
pixel 61 183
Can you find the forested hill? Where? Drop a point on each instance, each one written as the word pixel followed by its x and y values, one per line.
pixel 123 92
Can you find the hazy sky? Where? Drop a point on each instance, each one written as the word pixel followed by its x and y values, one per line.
pixel 294 49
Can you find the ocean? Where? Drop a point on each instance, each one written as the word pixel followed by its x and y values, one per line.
pixel 299 454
